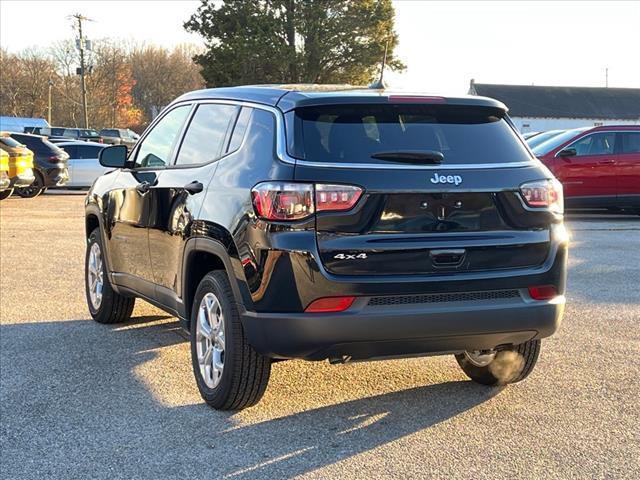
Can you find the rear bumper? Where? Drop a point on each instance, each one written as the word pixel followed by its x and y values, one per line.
pixel 365 332
pixel 378 329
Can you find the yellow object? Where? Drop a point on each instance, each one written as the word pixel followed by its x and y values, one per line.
pixel 20 157
pixel 4 162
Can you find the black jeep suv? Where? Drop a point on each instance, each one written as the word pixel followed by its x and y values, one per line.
pixel 313 223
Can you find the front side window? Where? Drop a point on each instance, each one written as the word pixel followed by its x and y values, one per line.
pixel 204 140
pixel 630 142
pixel 596 144
pixel 155 150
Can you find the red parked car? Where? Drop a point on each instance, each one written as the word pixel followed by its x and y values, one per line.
pixel 599 167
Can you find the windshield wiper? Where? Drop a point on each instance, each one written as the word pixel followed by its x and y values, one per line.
pixel 411 156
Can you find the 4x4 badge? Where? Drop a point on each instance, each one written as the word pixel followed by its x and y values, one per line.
pixel 455 179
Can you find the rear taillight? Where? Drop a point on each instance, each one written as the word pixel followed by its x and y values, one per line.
pixel 330 304
pixel 543 194
pixel 296 201
pixel 336 197
pixel 543 292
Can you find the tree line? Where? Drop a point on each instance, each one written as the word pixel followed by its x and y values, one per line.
pixel 127 85
pixel 245 42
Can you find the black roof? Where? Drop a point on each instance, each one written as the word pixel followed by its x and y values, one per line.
pixel 564 102
pixel 288 97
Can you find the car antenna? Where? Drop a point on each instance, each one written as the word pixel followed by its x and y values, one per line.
pixel 379 84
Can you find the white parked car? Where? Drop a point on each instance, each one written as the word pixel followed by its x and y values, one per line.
pixel 83 163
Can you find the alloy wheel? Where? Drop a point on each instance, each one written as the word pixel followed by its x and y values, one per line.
pixel 95 276
pixel 210 346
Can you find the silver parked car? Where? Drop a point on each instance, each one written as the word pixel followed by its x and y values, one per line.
pixel 83 163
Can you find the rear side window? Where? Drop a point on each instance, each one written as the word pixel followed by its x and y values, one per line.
pixel 70 132
pixel 71 150
pixel 88 151
pixel 353 133
pixel 206 133
pixel 240 128
pixel 630 142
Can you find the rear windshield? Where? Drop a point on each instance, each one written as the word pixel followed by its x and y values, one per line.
pixel 542 137
pixel 10 142
pixel 353 133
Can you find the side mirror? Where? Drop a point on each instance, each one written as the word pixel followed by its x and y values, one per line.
pixel 567 152
pixel 114 156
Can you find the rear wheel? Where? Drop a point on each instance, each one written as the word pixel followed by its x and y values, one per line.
pixel 230 374
pixel 33 190
pixel 500 367
pixel 6 193
pixel 105 304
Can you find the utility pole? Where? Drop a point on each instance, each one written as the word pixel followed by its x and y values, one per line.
pixel 83 86
pixel 49 104
pixel 606 77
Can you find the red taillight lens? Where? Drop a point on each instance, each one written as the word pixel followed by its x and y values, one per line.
pixel 336 197
pixel 543 292
pixel 296 201
pixel 283 201
pixel 546 194
pixel 330 304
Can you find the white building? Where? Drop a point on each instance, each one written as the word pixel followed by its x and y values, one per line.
pixel 538 108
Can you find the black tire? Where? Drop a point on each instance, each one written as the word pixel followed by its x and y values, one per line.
pixel 33 190
pixel 6 193
pixel 509 365
pixel 245 372
pixel 113 307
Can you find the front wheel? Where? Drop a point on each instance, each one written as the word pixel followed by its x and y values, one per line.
pixel 33 190
pixel 501 367
pixel 105 304
pixel 229 373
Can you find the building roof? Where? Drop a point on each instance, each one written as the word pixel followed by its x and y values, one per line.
pixel 564 102
pixel 288 97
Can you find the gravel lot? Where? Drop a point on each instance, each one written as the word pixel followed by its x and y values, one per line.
pixel 83 400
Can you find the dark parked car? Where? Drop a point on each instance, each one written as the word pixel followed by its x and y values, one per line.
pixel 49 162
pixel 282 223
pixel 599 167
pixel 119 136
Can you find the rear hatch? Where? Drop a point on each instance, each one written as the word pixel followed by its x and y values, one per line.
pixel 440 187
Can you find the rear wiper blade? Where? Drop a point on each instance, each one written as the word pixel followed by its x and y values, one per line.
pixel 411 156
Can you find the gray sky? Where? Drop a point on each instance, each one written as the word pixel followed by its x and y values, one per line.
pixel 444 44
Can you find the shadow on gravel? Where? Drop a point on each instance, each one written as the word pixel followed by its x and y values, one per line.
pixel 82 410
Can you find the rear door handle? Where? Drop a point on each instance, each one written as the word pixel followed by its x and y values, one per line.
pixel 606 162
pixel 194 187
